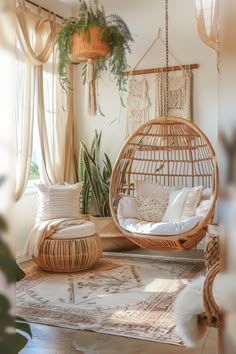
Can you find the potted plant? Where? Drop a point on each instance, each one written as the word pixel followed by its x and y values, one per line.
pixel 93 36
pixel 95 175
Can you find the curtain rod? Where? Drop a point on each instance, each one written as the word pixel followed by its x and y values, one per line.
pixel 43 8
pixel 158 70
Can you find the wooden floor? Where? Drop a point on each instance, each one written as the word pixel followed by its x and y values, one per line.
pixel 55 340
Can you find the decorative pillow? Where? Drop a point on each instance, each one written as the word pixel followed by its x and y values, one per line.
pixel 182 204
pixel 149 189
pixel 58 201
pixel 127 208
pixel 151 208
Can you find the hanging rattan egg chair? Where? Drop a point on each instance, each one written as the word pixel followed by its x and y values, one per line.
pixel 170 151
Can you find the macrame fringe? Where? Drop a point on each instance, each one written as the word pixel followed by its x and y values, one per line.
pixel 91 89
pixel 180 94
pixel 137 104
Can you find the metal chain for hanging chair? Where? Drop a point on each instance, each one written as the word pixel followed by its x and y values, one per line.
pixel 167 56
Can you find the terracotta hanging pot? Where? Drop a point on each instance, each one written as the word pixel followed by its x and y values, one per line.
pixel 88 45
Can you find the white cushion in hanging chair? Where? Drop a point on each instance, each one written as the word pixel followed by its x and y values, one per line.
pixel 160 228
pixel 127 218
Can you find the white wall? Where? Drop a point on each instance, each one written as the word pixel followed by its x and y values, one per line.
pixel 144 18
pixel 55 6
pixel 24 213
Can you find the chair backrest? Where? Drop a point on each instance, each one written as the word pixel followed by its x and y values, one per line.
pixel 170 151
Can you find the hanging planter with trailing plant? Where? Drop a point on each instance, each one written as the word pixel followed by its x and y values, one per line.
pixel 99 40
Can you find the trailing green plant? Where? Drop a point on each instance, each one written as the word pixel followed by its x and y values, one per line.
pixel 113 30
pixel 97 175
pixel 14 331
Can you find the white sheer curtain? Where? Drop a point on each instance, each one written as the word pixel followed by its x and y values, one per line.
pixel 41 101
pixel 208 22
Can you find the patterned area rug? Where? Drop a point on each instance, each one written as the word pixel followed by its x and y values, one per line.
pixel 128 296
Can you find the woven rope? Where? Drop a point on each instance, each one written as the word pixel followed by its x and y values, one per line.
pixel 212 252
pixel 211 308
pixel 180 94
pixel 69 255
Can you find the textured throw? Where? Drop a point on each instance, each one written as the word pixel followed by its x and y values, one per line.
pixel 44 229
pixel 126 296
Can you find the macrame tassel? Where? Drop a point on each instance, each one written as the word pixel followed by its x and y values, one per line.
pixel 91 89
pixel 137 104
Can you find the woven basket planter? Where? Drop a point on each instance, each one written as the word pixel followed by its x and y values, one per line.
pixel 69 255
pixel 112 238
pixel 88 45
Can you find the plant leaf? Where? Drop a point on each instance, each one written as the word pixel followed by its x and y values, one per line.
pixel 3 224
pixel 21 342
pixel 7 262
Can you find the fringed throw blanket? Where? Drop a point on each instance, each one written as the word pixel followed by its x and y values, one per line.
pixel 180 94
pixel 44 229
pixel 137 104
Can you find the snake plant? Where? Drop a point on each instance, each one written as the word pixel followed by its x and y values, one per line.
pixel 96 175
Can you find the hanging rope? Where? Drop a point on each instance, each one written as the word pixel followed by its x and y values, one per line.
pixel 167 57
pixel 91 89
pixel 148 50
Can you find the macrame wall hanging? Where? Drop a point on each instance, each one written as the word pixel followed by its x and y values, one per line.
pixel 180 94
pixel 176 80
pixel 137 104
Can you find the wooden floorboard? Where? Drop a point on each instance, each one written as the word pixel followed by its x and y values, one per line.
pixel 54 340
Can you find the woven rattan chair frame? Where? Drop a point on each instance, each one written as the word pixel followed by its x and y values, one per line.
pixel 171 151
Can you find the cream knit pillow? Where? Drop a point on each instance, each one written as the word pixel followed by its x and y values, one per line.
pixel 182 204
pixel 58 201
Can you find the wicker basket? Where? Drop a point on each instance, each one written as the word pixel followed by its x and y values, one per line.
pixel 89 45
pixel 69 255
pixel 112 238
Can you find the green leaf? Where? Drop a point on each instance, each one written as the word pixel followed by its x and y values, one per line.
pixel 3 224
pixel 21 342
pixel 23 333
pixel 2 179
pixel 7 263
pixel 23 326
pixel 20 274
pixel 97 182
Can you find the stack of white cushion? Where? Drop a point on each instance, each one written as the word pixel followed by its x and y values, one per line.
pixel 159 210
pixel 62 202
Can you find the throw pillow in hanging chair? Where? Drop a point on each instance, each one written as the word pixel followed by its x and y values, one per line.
pixel 149 189
pixel 151 208
pixel 182 204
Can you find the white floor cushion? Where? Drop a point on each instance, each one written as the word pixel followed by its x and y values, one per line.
pixel 160 228
pixel 86 229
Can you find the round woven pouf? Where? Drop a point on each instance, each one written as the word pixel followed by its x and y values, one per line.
pixel 69 255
